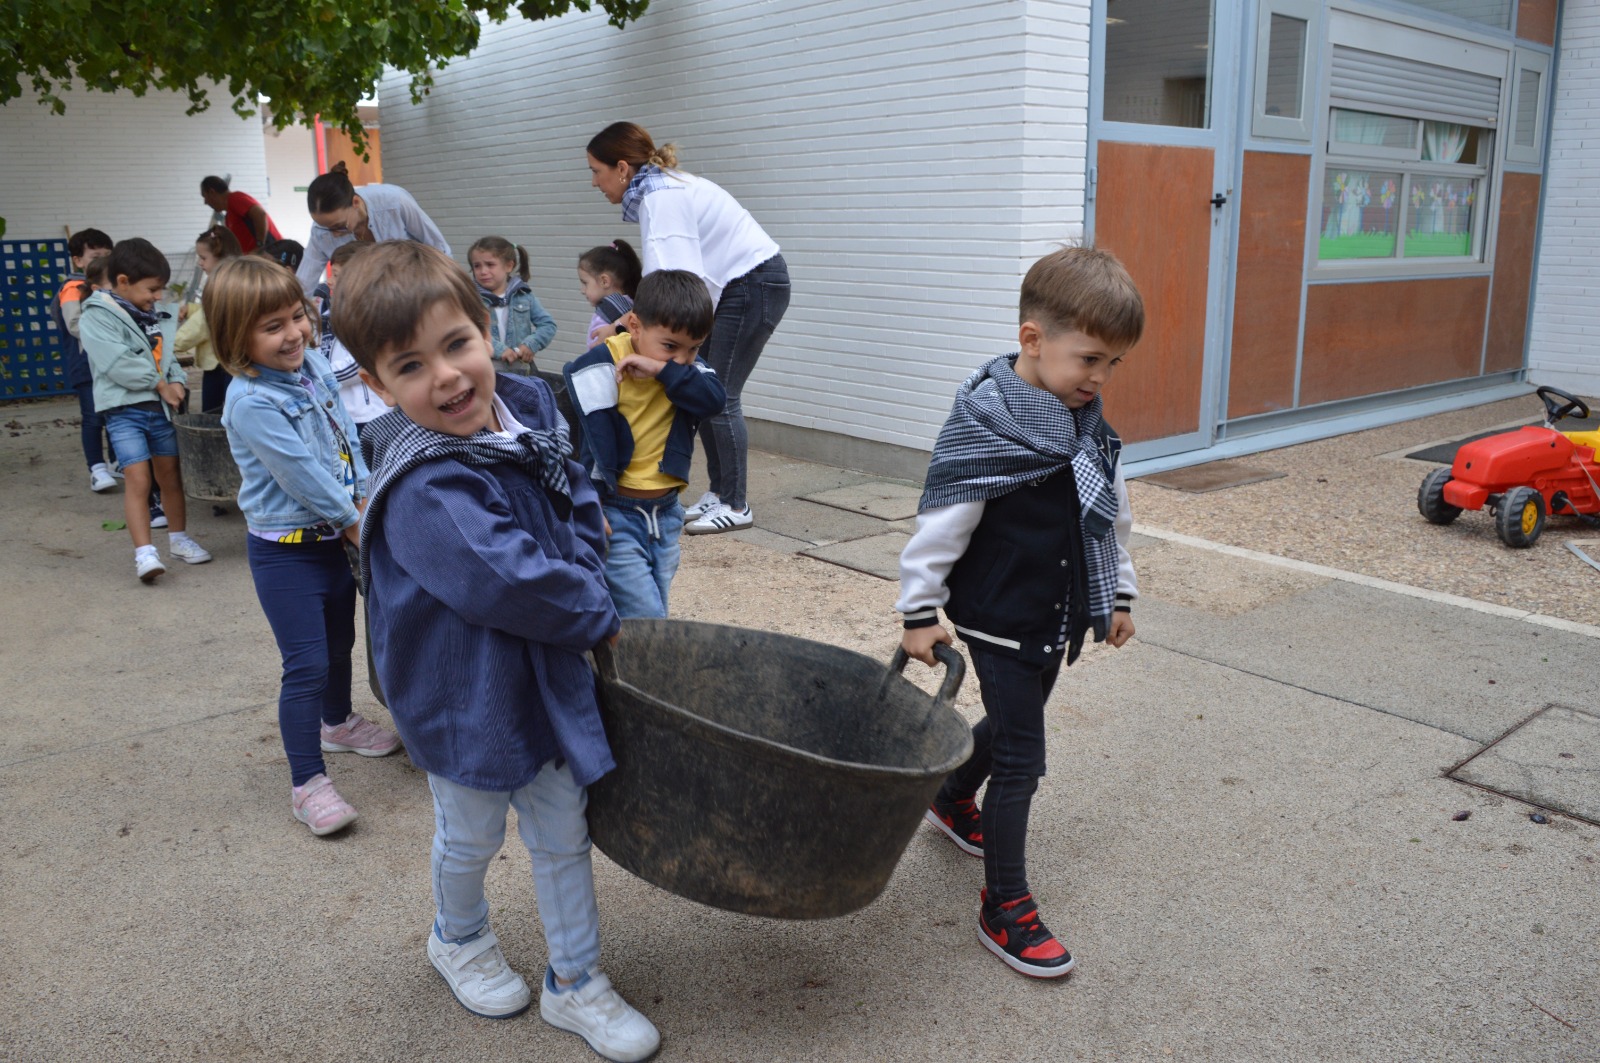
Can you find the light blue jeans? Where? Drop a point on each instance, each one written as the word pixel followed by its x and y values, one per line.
pixel 469 828
pixel 642 555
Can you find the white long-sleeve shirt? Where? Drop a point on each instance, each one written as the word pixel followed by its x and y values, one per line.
pixel 693 224
pixel 941 539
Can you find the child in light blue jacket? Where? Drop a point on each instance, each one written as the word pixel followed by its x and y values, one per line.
pixel 137 385
pixel 519 326
pixel 303 486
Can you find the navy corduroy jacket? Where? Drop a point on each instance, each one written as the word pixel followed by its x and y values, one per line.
pixel 483 603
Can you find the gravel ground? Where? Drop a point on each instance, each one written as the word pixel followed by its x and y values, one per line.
pixel 1350 503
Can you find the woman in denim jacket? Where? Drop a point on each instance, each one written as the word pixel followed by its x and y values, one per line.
pixel 303 487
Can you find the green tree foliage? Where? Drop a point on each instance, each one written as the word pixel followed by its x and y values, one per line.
pixel 308 56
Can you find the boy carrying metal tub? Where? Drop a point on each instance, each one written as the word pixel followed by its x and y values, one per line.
pixel 481 558
pixel 1022 537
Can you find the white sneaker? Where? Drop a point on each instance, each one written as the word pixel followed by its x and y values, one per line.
pixel 148 566
pixel 100 479
pixel 720 518
pixel 477 973
pixel 596 1012
pixel 189 551
pixel 698 510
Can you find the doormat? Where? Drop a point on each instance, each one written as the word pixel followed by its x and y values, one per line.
pixel 1212 476
pixel 1549 761
pixel 1445 453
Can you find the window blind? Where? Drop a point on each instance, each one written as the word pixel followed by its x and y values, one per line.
pixel 1392 84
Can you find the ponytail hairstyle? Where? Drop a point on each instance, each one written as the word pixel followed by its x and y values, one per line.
pixel 332 191
pixel 511 254
pixel 629 143
pixel 618 259
pixel 220 242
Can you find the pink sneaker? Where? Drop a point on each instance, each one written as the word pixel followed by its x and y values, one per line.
pixel 318 805
pixel 359 735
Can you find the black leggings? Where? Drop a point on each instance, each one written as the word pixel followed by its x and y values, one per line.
pixel 1008 750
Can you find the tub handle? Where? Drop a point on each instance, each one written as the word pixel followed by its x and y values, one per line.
pixel 605 662
pixel 955 670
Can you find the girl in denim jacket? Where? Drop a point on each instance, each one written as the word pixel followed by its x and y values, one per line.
pixel 303 486
pixel 519 327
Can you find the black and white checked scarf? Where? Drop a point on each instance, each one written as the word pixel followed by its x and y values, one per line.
pixel 1003 433
pixel 395 445
pixel 493 301
pixel 648 179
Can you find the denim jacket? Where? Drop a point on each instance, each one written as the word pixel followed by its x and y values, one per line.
pixel 289 455
pixel 527 322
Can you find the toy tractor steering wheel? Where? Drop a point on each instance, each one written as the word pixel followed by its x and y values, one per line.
pixel 1553 413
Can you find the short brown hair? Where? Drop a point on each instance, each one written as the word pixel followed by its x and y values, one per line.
pixel 384 292
pixel 345 252
pixel 1083 289
pixel 238 294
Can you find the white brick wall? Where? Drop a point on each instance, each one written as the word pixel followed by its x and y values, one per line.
pixel 911 158
pixel 1566 310
pixel 128 165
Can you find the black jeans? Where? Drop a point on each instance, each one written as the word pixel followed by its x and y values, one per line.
pixel 749 310
pixel 214 389
pixel 1008 750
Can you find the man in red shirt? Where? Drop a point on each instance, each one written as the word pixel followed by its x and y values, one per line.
pixel 243 216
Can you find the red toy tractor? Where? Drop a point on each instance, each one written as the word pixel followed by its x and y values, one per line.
pixel 1522 476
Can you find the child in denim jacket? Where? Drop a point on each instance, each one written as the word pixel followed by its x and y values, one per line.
pixel 481 562
pixel 303 486
pixel 519 326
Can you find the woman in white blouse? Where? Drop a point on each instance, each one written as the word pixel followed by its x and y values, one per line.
pixel 343 213
pixel 687 222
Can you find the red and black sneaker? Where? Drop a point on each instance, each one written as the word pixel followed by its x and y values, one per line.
pixel 1014 933
pixel 961 822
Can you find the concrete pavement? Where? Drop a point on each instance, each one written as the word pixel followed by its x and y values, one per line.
pixel 1245 835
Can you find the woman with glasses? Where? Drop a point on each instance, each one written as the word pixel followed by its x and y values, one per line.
pixel 370 213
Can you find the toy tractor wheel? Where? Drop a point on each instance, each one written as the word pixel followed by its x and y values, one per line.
pixel 1520 518
pixel 1430 498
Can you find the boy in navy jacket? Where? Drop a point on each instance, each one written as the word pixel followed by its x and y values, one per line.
pixel 480 556
pixel 642 394
pixel 1022 539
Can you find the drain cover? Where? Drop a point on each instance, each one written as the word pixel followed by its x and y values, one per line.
pixel 1551 759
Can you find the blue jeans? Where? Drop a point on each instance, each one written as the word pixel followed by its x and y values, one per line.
pixel 93 427
pixel 139 435
pixel 642 555
pixel 309 596
pixel 469 828
pixel 1008 750
pixel 749 310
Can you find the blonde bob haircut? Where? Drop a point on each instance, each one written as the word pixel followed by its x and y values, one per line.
pixel 385 291
pixel 237 295
pixel 1083 289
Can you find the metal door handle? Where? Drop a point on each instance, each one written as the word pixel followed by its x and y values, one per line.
pixel 1218 200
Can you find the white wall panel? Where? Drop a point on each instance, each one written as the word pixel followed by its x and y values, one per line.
pixel 126 164
pixel 911 158
pixel 1566 307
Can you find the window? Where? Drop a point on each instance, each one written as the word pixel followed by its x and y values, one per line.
pixel 1496 13
pixel 1411 128
pixel 1528 111
pixel 1158 62
pixel 1283 70
pixel 1398 187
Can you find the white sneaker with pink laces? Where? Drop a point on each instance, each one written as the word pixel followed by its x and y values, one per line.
pixel 359 735
pixel 318 805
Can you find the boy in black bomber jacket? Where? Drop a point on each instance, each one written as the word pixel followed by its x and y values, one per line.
pixel 1022 538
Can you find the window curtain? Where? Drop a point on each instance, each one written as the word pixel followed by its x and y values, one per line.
pixel 1358 127
pixel 1443 141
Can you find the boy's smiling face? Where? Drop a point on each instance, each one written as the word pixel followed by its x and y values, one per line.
pixel 143 293
pixel 1073 366
pixel 442 377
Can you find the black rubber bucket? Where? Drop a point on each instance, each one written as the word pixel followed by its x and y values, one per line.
pixel 209 471
pixel 763 773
